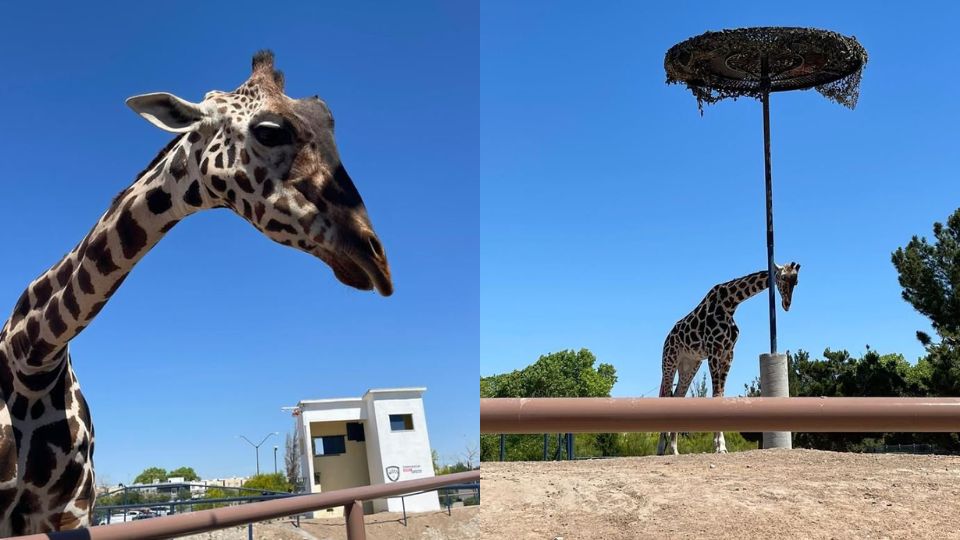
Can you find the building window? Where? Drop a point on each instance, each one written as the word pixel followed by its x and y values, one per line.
pixel 355 432
pixel 329 445
pixel 401 422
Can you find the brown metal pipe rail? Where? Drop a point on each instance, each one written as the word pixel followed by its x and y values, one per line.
pixel 220 518
pixel 617 415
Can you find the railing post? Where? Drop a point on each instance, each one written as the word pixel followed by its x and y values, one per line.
pixel 354 516
pixel 403 504
pixel 249 531
pixel 502 446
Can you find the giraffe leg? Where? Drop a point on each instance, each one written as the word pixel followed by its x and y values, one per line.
pixel 666 388
pixel 688 369
pixel 719 368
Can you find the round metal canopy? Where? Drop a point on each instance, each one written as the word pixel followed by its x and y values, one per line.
pixel 728 63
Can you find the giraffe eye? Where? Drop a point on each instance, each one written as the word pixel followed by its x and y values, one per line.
pixel 272 134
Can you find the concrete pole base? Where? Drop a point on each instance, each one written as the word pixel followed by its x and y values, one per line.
pixel 774 382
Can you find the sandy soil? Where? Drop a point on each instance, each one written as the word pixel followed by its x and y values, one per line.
pixel 757 494
pixel 461 524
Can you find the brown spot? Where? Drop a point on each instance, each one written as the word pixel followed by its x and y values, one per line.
pixel 247 211
pixel 33 328
pixel 244 156
pixel 193 137
pixel 283 206
pixel 219 184
pixel 39 352
pixel 132 236
pixel 64 272
pixel 42 291
pixel 260 174
pixel 83 279
pixel 100 254
pixel 169 225
pixel 218 161
pixel 70 300
pixel 231 154
pixel 192 196
pixel 243 182
pixel 66 486
pixel 203 166
pixel 28 505
pixel 54 319
pixel 258 210
pixel 37 410
pixel 178 164
pixel 196 156
pixel 277 226
pixel 267 189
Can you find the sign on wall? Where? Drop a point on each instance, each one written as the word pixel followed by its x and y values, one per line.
pixel 393 473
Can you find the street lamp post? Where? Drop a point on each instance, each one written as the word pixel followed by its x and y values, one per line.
pixel 275 448
pixel 257 446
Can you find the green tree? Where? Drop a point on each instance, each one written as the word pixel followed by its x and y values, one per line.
pixel 561 374
pixel 269 482
pixel 930 276
pixel 151 475
pixel 188 474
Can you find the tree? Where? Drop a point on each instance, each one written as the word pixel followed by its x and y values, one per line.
pixel 188 474
pixel 561 374
pixel 151 475
pixel 269 482
pixel 291 456
pixel 930 276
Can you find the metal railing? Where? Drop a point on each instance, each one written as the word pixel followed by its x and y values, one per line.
pixel 220 518
pixel 607 415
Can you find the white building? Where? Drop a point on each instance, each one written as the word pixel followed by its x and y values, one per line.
pixel 378 438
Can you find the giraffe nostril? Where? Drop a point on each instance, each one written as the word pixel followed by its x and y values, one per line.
pixel 375 247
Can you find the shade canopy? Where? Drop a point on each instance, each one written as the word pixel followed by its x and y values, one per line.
pixel 727 64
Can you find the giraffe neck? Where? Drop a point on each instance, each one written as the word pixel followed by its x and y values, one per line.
pixel 60 303
pixel 734 292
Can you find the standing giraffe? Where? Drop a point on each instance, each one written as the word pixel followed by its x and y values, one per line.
pixel 710 332
pixel 269 158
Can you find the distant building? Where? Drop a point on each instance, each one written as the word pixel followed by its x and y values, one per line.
pixel 375 439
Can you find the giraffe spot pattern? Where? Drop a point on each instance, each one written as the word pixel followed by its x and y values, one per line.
pixel 192 196
pixel 98 251
pixel 178 164
pixel 64 272
pixel 276 226
pixel 132 236
pixel 158 200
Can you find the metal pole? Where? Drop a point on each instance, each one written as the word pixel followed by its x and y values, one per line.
pixel 771 280
pixel 546 442
pixel 403 505
pixel 258 460
pixel 249 531
pixel 502 447
pixel 616 415
pixel 355 526
pixel 275 459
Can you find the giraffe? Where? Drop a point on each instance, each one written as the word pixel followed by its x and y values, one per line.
pixel 270 159
pixel 710 332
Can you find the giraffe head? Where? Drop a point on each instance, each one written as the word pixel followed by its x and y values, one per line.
pixel 786 280
pixel 272 159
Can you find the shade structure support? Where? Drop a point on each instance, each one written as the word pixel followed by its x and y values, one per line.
pixel 771 268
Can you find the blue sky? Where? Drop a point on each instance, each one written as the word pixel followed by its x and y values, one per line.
pixel 609 206
pixel 194 349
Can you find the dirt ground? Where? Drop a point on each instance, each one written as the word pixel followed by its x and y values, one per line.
pixel 461 524
pixel 757 494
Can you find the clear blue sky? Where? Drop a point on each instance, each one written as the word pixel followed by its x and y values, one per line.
pixel 609 206
pixel 218 327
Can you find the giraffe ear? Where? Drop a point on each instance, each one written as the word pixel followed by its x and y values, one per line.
pixel 168 112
